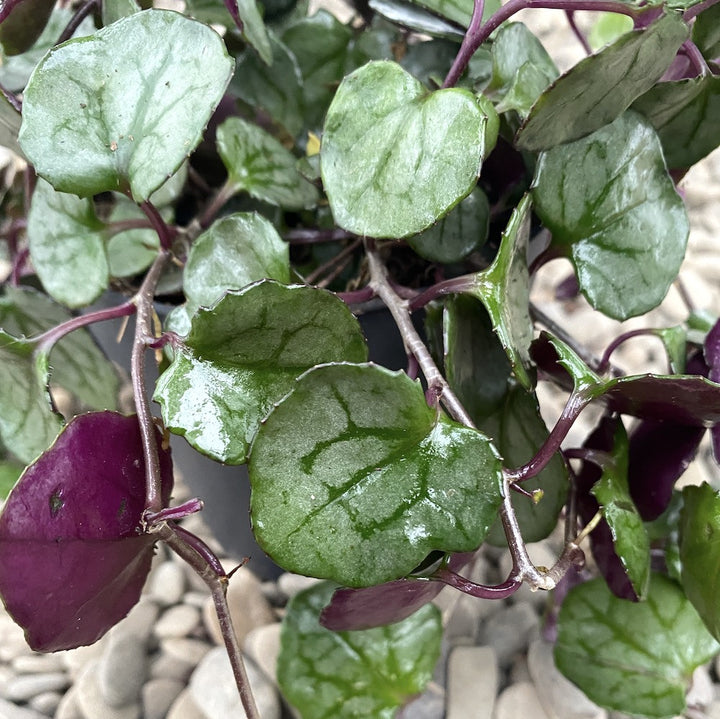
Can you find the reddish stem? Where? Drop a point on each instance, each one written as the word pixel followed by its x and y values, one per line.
pixel 165 233
pixel 570 14
pixel 82 12
pixel 453 286
pixel 482 591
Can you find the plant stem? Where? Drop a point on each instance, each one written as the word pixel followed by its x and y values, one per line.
pixel 46 340
pixel 144 330
pixel 398 307
pixel 18 264
pixel 604 362
pixel 305 236
pixel 576 402
pixel 453 286
pixel 477 34
pixel 570 15
pixel 215 205
pixel 696 58
pixel 12 98
pixel 695 10
pixel 82 12
pixel 483 591
pixel 164 232
pixel 355 297
pixel 332 262
pixel 115 228
pixel 217 583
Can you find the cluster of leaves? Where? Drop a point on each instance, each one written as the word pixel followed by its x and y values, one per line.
pixel 295 170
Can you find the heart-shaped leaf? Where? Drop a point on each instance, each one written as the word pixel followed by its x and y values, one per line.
pixel 368 673
pixel 632 657
pixel 368 607
pixel 67 246
pixel 243 356
pixel 683 114
pixel 79 365
pixel 395 157
pixel 149 85
pixel 629 537
pixel 28 421
pixel 504 289
pixel 622 221
pixel 601 87
pixel 700 552
pixel 257 163
pixel 463 230
pixel 354 461
pixel 72 557
pixel 236 251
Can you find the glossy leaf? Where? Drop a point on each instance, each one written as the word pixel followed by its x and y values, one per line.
pixel 72 558
pixel 683 114
pixel 354 461
pixel 10 120
pixel 78 364
pixel 675 341
pixel 459 11
pixel 244 355
pixel 660 452
pixel 519 431
pixel 504 289
pixel 700 552
pixel 629 536
pixel 67 246
pixel 150 83
pixel 15 70
pixel 411 16
pixel 459 233
pixel 522 69
pixel 557 359
pixel 368 607
pixel 632 657
pixel 257 163
pixel 476 366
pixel 396 158
pixel 368 673
pixel 601 87
pixel 603 198
pixel 254 30
pixel 706 32
pixel 28 421
pixel 276 89
pixel 235 251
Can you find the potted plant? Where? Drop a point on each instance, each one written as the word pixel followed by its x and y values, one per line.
pixel 423 157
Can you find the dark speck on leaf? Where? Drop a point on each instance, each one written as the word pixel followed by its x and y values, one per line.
pixel 56 502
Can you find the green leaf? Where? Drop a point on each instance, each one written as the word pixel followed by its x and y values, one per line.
pixel 700 552
pixel 463 230
pixel 10 120
pixel 396 158
pixel 114 10
pixel 476 366
pixel 522 69
pixel 608 200
pixel 706 32
pixel 629 536
pixel 583 377
pixel 504 289
pixel 15 71
pixel 408 15
pixel 28 422
pixel 244 355
pixel 367 673
pixel 9 474
pixel 459 11
pixel 67 247
pixel 354 461
pixel 235 251
pixel 121 109
pixel 684 114
pixel 254 30
pixel 608 27
pixel 79 365
pixel 601 87
pixel 132 251
pixel 430 61
pixel 635 657
pixel 257 163
pixel 675 341
pixel 519 431
pixel 277 89
pixel 22 24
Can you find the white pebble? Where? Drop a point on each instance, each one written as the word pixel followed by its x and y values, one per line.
pixel 177 621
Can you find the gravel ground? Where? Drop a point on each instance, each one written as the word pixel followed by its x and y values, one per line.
pixel 164 659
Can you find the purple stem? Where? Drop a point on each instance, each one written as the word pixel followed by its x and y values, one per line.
pixel 200 547
pixel 115 228
pixel 604 363
pixel 164 232
pixel 477 34
pixel 570 14
pixel 18 264
pixel 232 8
pixel 304 236
pixel 696 57
pixel 166 338
pixel 46 340
pixel 143 331
pixel 12 98
pixel 357 297
pixel 317 273
pixel 452 286
pixel 83 11
pixel 215 205
pixel 588 454
pixel 575 404
pixel 171 514
pixel 695 10
pixel 482 591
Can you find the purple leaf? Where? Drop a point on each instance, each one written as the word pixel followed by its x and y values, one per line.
pixel 73 559
pixel 659 453
pixel 712 358
pixel 369 607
